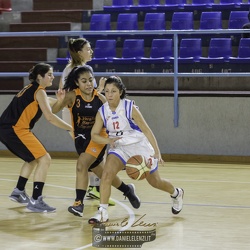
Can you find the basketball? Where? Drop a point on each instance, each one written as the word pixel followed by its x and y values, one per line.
pixel 137 167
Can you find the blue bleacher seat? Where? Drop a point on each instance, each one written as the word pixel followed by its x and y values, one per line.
pixel 190 50
pixel 100 22
pixel 173 5
pixel 127 21
pixel 161 52
pixel 182 21
pixel 220 50
pixel 245 5
pixel 105 51
pixel 146 5
pixel 119 5
pixel 227 4
pixel 199 5
pixel 132 51
pixel 211 20
pixel 243 52
pixel 154 21
pixel 63 60
pixel 237 19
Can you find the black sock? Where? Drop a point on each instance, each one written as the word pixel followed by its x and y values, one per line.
pixel 37 189
pixel 123 188
pixel 80 194
pixel 21 183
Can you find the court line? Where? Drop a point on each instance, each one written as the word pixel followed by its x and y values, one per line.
pixel 131 214
pixel 182 180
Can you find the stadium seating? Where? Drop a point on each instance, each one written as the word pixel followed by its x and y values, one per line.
pixel 237 19
pixel 161 52
pixel 146 5
pixel 182 21
pixel 172 5
pixel 220 50
pixel 211 20
pixel 243 52
pixel 190 50
pixel 100 22
pixel 132 51
pixel 227 4
pixel 199 5
pixel 119 5
pixel 245 5
pixel 154 21
pixel 105 51
pixel 127 21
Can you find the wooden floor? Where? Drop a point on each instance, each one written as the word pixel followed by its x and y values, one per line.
pixel 216 214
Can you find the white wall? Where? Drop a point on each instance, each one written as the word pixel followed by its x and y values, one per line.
pixel 207 125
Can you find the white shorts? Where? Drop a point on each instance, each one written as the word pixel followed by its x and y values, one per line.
pixel 143 147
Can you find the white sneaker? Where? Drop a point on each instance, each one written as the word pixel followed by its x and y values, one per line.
pixel 100 217
pixel 178 201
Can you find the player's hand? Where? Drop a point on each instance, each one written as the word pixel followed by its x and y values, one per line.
pixel 158 156
pixel 101 84
pixel 60 94
pixel 113 140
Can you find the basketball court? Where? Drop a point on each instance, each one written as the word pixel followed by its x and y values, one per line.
pixel 216 212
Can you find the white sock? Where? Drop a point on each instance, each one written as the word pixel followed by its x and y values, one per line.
pixel 175 193
pixel 104 206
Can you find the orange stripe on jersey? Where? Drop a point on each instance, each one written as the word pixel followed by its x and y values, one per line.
pixel 27 115
pixel 31 142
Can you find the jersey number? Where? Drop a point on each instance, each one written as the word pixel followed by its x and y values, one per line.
pixel 116 125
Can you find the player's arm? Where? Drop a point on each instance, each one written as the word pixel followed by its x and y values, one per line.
pixel 100 87
pixel 63 99
pixel 52 101
pixel 96 130
pixel 43 102
pixel 102 98
pixel 140 121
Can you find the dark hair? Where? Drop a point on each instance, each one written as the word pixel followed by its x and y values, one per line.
pixel 74 75
pixel 117 81
pixel 75 45
pixel 39 69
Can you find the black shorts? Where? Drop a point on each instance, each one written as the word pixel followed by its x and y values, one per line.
pixel 23 143
pixel 83 145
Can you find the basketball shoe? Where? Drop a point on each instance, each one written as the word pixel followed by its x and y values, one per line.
pixel 132 197
pixel 100 217
pixel 177 201
pixel 94 194
pixel 39 206
pixel 19 196
pixel 77 208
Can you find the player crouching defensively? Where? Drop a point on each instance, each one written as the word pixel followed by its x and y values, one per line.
pixel 129 135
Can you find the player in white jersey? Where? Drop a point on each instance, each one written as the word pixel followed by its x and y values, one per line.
pixel 129 134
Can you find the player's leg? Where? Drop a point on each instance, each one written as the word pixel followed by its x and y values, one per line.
pixel 109 177
pixel 36 203
pixel 19 194
pixel 97 171
pixel 94 186
pixel 176 194
pixel 84 161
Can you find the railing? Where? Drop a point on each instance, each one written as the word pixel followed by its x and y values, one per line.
pixel 175 34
